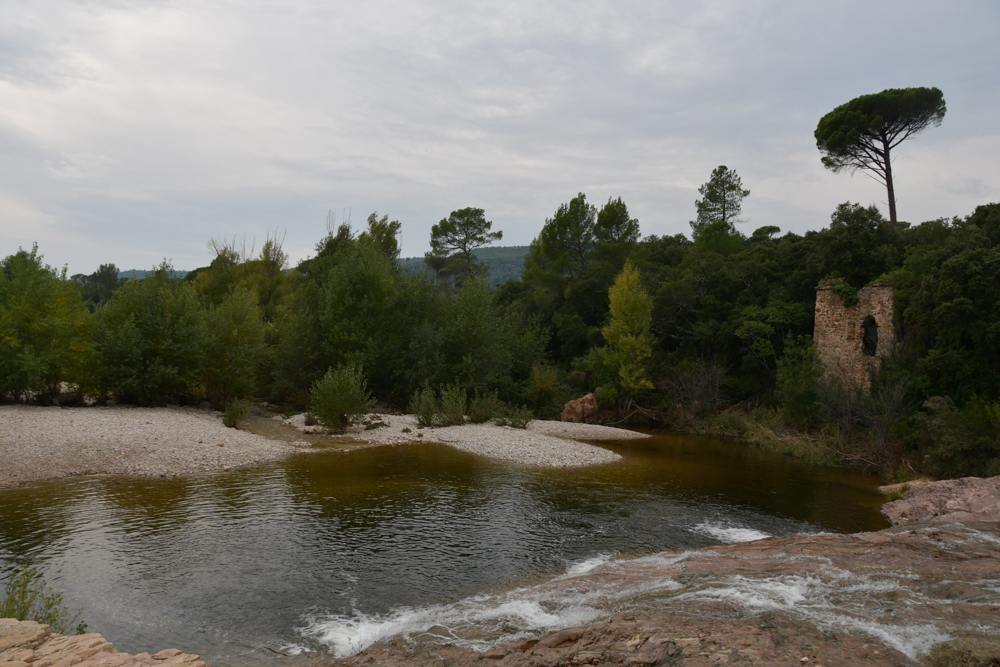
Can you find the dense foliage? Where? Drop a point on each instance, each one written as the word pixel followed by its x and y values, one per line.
pixel 665 329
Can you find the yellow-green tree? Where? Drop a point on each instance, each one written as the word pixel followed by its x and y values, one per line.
pixel 630 343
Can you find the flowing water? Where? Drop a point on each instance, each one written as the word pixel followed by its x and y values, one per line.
pixel 328 551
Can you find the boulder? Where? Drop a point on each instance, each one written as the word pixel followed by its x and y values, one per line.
pixel 580 410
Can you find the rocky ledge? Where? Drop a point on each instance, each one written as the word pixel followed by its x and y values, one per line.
pixel 29 644
pixel 966 499
pixel 923 592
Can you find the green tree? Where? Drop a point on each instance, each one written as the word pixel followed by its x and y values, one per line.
pixel 150 337
pixel 565 244
pixel 98 287
pixel 382 232
pixel 861 134
pixel 455 240
pixel 616 234
pixel 234 346
pixel 721 201
pixel 630 343
pixel 46 333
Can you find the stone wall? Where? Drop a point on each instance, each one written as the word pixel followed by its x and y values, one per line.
pixel 840 332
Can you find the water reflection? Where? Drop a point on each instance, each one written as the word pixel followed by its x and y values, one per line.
pixel 224 565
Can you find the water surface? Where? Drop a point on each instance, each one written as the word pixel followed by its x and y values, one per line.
pixel 238 566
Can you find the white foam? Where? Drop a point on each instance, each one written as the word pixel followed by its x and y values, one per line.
pixel 838 603
pixel 589 565
pixel 729 534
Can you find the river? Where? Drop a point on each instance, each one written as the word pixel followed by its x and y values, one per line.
pixel 325 552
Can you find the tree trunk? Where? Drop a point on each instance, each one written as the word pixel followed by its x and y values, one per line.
pixel 888 186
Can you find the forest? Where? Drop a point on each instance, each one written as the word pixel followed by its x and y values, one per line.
pixel 709 333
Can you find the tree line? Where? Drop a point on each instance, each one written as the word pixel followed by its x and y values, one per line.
pixel 711 331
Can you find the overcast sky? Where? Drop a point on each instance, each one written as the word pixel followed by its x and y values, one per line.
pixel 133 131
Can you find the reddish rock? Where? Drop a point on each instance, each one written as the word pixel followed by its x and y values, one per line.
pixel 966 499
pixel 580 410
pixel 26 643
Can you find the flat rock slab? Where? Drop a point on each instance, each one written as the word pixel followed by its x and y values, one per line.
pixel 919 594
pixel 965 499
pixel 30 644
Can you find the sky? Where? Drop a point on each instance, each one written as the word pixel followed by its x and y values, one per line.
pixel 133 131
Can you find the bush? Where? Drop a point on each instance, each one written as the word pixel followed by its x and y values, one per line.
pixel 959 443
pixel 485 407
pixel 235 411
pixel 27 598
pixel 340 396
pixel 799 373
pixel 518 417
pixel 425 406
pixel 454 404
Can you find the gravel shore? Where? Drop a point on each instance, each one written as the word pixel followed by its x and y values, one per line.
pixel 544 443
pixel 40 443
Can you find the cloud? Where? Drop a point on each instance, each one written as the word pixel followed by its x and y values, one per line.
pixel 150 127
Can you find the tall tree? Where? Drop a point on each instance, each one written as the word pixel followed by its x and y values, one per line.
pixel 630 343
pixel 567 239
pixel 862 133
pixel 456 238
pixel 721 200
pixel 382 232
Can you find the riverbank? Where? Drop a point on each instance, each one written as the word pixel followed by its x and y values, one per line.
pixel 923 592
pixel 44 443
pixel 550 444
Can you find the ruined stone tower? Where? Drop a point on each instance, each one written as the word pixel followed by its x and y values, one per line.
pixel 850 339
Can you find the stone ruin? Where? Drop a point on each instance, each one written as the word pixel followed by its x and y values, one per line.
pixel 850 340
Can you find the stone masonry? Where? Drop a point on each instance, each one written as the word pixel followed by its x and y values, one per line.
pixel 850 340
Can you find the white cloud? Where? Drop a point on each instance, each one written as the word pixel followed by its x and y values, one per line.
pixel 148 128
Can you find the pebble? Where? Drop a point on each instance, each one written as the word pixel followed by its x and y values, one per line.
pixel 549 444
pixel 39 443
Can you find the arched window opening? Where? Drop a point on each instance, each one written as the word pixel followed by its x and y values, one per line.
pixel 869 340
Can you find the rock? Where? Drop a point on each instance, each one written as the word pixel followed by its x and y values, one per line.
pixel 950 500
pixel 29 643
pixel 580 410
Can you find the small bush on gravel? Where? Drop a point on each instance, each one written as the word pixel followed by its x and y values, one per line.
pixel 340 396
pixel 425 406
pixel 518 417
pixel 27 598
pixel 235 411
pixel 454 403
pixel 485 407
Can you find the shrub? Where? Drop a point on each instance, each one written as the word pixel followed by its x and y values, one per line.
pixel 454 404
pixel 799 373
pixel 425 406
pixel 957 443
pixel 27 598
pixel 518 417
pixel 485 407
pixel 340 396
pixel 235 411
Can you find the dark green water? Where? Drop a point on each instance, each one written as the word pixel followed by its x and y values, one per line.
pixel 324 550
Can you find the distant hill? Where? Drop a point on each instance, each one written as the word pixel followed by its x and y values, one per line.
pixel 502 263
pixel 139 275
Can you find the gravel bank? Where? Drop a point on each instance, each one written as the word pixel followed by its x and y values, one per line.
pixel 40 443
pixel 544 443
